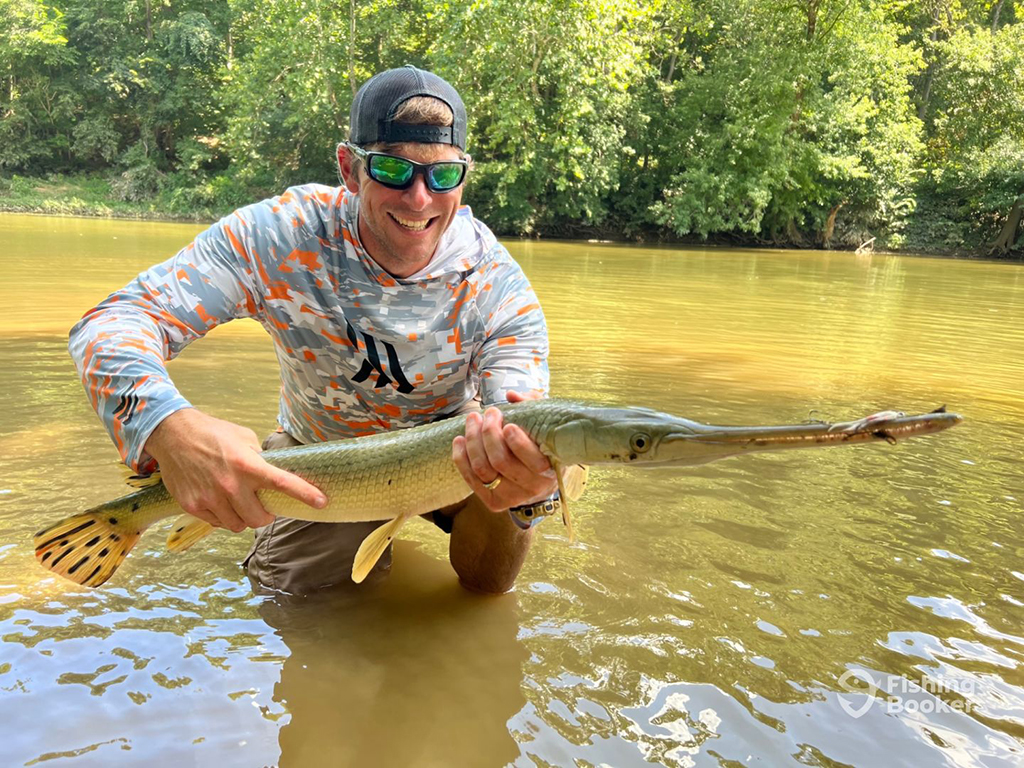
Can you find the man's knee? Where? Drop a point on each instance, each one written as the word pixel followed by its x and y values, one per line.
pixel 487 550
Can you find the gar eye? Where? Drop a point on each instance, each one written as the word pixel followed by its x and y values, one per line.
pixel 640 442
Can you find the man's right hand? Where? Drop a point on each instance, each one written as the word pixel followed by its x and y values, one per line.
pixel 213 469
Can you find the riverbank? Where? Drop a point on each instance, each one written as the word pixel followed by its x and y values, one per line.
pixel 95 196
pixel 90 196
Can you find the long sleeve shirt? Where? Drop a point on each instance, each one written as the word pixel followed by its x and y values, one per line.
pixel 360 351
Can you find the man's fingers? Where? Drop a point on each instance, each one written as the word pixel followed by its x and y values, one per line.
pixel 227 516
pixel 498 455
pixel 461 458
pixel 207 517
pixel 249 508
pixel 527 451
pixel 475 450
pixel 518 397
pixel 506 463
pixel 295 486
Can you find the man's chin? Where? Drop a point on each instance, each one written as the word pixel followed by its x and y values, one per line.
pixel 415 255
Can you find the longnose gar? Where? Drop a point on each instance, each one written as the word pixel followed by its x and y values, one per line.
pixel 398 475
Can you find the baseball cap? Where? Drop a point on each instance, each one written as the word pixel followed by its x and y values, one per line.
pixel 374 107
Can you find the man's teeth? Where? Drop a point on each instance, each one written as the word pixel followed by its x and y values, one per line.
pixel 409 224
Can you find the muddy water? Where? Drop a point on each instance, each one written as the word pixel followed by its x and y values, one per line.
pixel 729 614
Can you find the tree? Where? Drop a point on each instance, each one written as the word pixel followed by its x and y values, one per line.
pixel 35 106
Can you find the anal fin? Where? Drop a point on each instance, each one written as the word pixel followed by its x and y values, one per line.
pixel 186 532
pixel 373 547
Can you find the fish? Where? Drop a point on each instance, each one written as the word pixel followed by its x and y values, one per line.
pixel 395 476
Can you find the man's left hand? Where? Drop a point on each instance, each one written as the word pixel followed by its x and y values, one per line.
pixel 491 450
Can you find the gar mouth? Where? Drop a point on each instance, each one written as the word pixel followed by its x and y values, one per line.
pixel 413 225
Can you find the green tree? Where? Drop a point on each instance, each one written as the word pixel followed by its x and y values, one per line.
pixel 787 121
pixel 548 86
pixel 976 145
pixel 36 107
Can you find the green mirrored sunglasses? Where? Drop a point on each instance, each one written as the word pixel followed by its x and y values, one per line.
pixel 398 172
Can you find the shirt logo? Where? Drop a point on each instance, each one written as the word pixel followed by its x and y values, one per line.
pixel 372 363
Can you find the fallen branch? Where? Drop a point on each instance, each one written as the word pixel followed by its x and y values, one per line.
pixel 866 247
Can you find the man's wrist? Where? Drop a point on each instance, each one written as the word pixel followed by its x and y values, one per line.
pixel 528 515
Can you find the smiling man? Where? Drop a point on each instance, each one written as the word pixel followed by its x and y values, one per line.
pixel 389 306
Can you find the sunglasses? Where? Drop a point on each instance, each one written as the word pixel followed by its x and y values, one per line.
pixel 398 172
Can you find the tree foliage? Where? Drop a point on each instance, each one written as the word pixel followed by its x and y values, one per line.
pixel 808 122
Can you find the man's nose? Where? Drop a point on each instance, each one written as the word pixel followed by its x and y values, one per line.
pixel 418 196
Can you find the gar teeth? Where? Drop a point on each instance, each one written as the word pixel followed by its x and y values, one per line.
pixel 414 225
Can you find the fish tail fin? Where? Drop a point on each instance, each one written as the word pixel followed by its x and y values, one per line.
pixel 88 547
pixel 186 532
pixel 373 547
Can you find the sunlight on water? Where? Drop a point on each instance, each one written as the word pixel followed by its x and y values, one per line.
pixel 859 606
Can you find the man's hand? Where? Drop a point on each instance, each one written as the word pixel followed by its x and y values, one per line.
pixel 491 450
pixel 213 469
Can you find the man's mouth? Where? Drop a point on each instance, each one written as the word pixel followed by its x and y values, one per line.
pixel 413 225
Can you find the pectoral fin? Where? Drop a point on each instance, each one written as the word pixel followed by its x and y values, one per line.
pixel 561 472
pixel 575 481
pixel 373 547
pixel 186 532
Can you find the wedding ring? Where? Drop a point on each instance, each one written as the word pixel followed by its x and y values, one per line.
pixel 493 484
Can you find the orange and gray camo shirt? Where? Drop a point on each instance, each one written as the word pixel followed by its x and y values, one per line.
pixel 360 351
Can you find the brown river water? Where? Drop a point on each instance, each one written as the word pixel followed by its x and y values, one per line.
pixel 738 613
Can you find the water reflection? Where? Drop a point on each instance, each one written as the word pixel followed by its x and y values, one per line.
pixel 413 670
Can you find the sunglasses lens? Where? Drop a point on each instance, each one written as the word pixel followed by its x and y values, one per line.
pixel 392 171
pixel 445 176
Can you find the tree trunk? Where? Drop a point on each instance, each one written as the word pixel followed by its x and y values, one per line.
pixel 675 56
pixel 830 224
pixel 149 22
pixel 812 19
pixel 922 108
pixel 995 15
pixel 1008 234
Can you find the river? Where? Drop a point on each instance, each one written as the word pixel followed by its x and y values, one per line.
pixel 730 614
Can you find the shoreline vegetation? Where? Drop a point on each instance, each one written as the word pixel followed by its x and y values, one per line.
pixel 823 124
pixel 91 196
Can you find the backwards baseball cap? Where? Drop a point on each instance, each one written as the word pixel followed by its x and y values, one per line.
pixel 374 107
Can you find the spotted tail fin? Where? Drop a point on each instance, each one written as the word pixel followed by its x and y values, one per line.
pixel 86 548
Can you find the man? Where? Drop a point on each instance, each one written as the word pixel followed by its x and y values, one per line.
pixel 389 306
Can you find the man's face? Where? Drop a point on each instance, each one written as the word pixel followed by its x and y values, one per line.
pixel 400 228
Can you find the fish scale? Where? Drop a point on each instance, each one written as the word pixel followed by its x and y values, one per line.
pixel 397 475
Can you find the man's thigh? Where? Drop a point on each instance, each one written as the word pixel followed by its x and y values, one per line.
pixel 299 556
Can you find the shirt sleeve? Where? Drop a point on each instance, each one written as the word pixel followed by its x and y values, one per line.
pixel 514 355
pixel 120 347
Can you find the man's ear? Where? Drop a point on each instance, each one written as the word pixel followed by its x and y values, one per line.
pixel 346 168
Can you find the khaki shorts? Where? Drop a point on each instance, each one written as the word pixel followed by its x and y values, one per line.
pixel 299 557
